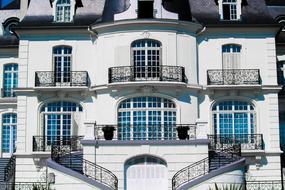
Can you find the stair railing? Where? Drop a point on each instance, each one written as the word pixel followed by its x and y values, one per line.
pixel 203 167
pixel 65 154
pixel 9 171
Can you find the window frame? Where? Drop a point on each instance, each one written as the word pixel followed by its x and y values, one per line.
pixel 12 131
pixel 230 3
pixel 14 80
pixel 250 111
pixel 71 6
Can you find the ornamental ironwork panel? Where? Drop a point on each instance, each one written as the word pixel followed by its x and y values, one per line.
pixel 263 185
pixel 234 77
pixel 247 141
pixel 9 171
pixel 66 154
pixel 158 132
pixel 23 186
pixel 159 73
pixel 218 156
pixel 54 79
pixel 44 143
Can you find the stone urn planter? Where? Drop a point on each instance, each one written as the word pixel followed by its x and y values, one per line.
pixel 182 132
pixel 108 132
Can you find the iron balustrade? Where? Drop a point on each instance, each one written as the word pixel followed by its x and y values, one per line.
pixel 54 79
pixel 147 73
pixel 23 186
pixel 146 132
pixel 234 77
pixel 247 141
pixel 66 156
pixel 43 143
pixel 9 171
pixel 263 185
pixel 218 157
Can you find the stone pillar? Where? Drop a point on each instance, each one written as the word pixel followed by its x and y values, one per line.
pixel 202 129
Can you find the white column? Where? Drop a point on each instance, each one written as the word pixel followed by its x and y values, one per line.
pixel 89 130
pixel 202 129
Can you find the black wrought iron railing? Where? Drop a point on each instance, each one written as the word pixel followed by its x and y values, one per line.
pixel 146 132
pixel 53 79
pixel 43 143
pixel 234 77
pixel 66 156
pixel 263 185
pixel 9 171
pixel 247 141
pixel 23 186
pixel 147 73
pixel 218 156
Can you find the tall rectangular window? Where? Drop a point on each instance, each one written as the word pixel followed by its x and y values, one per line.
pixel 145 9
pixel 9 128
pixel 63 11
pixel 10 80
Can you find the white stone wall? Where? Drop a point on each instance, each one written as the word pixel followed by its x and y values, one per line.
pixel 113 157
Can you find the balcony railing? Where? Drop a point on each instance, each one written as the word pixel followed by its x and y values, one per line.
pixel 263 185
pixel 145 132
pixel 43 143
pixel 147 73
pixel 234 77
pixel 24 186
pixel 54 79
pixel 247 141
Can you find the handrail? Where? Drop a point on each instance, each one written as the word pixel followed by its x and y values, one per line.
pixel 43 143
pixel 62 154
pixel 234 77
pixel 205 165
pixel 147 73
pixel 153 132
pixel 67 78
pixel 9 171
pixel 247 141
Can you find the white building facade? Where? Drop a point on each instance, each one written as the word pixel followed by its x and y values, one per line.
pixel 143 95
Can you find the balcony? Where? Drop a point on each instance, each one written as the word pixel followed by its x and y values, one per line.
pixel 44 143
pixel 147 73
pixel 159 132
pixel 234 77
pixel 61 79
pixel 247 141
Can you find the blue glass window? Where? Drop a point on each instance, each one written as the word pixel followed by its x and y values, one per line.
pixel 147 118
pixel 233 118
pixel 9 130
pixel 10 80
pixel 58 120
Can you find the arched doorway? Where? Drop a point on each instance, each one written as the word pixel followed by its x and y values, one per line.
pixel 146 173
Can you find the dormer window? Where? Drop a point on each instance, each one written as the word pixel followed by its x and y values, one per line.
pixel 63 11
pixel 145 9
pixel 230 9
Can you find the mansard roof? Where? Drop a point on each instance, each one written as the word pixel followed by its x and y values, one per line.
pixel 254 12
pixel 40 13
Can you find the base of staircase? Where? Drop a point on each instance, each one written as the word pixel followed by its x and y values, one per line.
pixel 55 166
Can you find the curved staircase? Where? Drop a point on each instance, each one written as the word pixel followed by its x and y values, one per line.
pixel 69 155
pixel 223 156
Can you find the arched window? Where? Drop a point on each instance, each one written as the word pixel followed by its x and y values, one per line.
pixel 231 56
pixel 60 120
pixel 230 10
pixel 146 59
pixel 62 64
pixel 10 80
pixel 63 11
pixel 146 171
pixel 9 130
pixel 233 118
pixel 147 118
